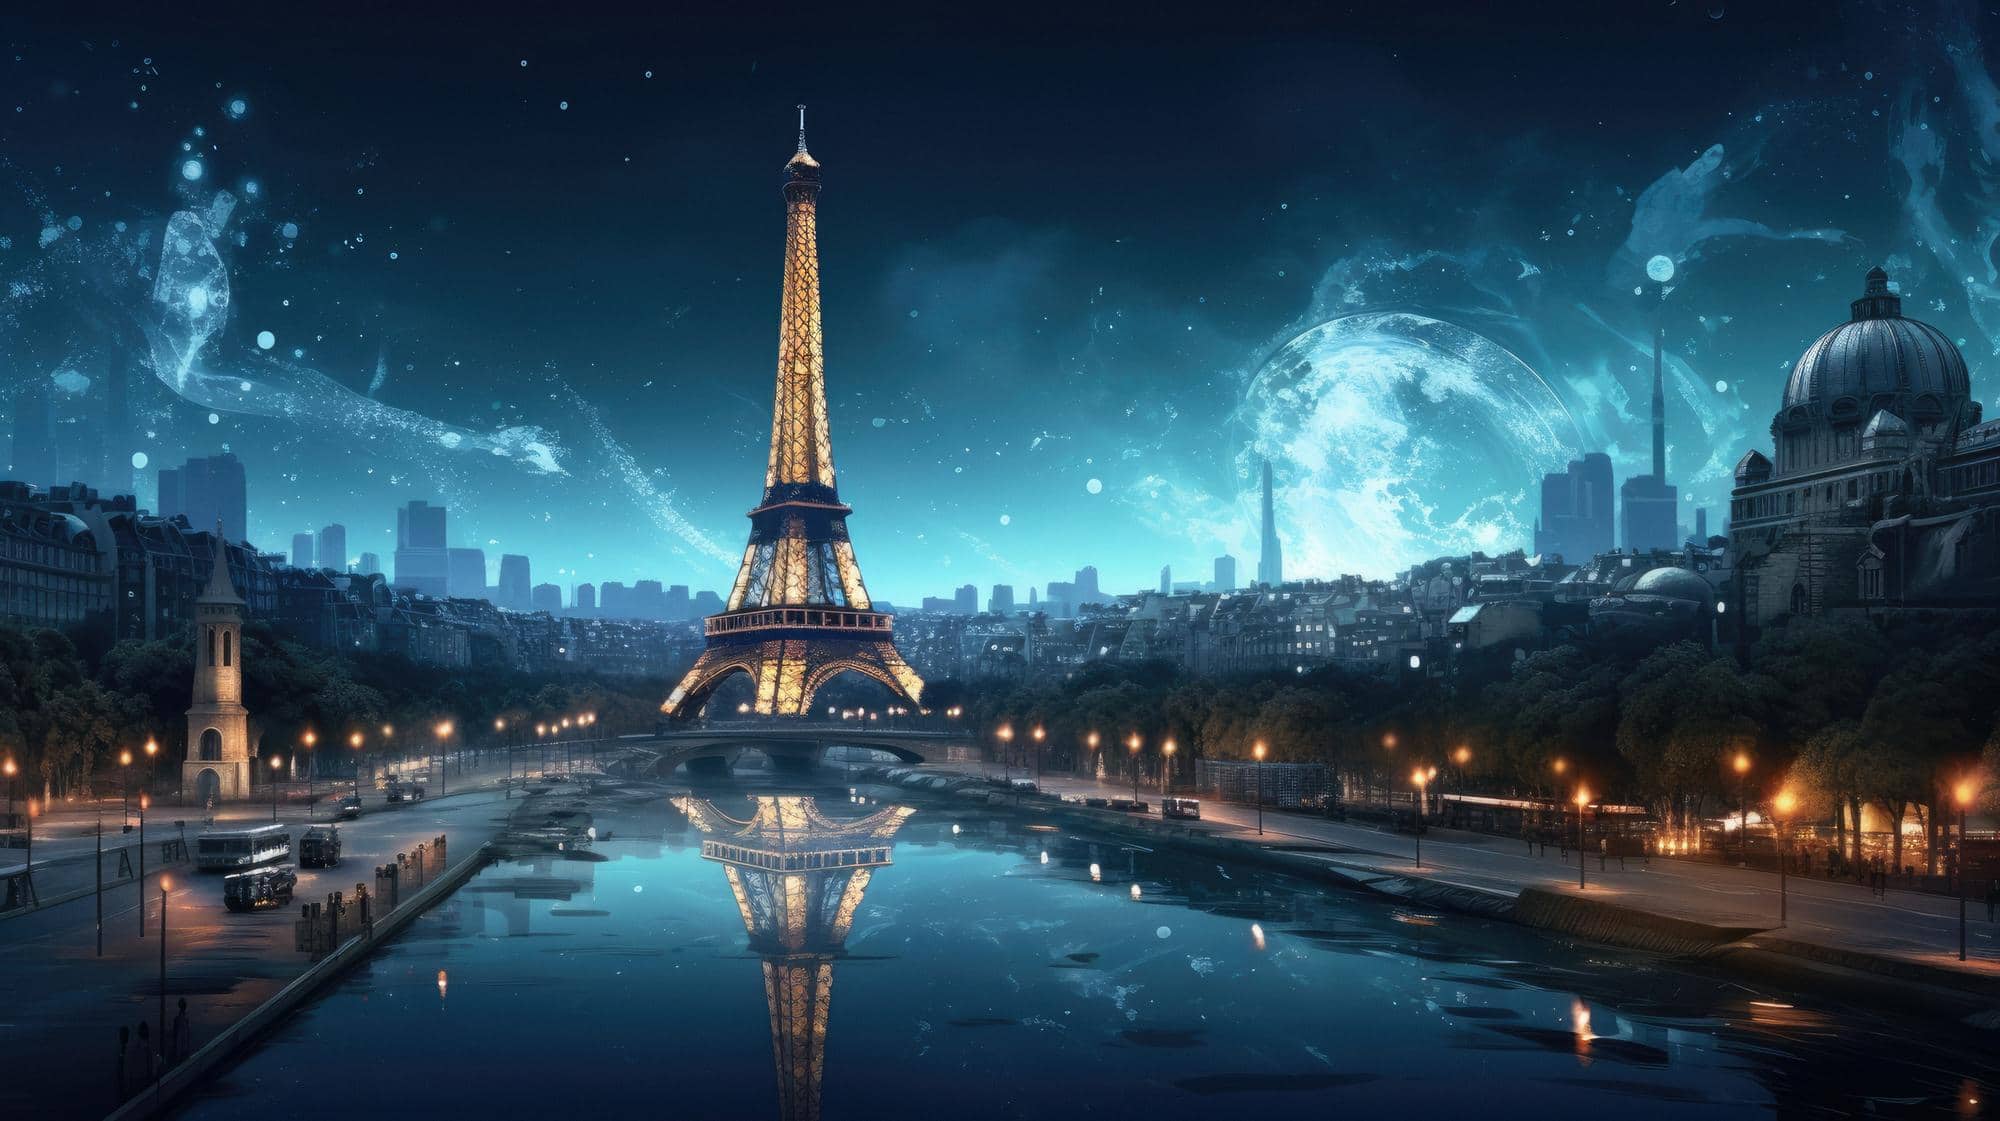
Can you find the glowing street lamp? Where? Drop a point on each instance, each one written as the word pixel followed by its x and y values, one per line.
pixel 1582 800
pixel 144 802
pixel 152 754
pixel 1782 806
pixel 1418 779
pixel 1134 743
pixel 354 742
pixel 1741 765
pixel 1166 767
pixel 308 740
pixel 276 762
pixel 1962 794
pixel 125 787
pixel 1040 734
pixel 443 732
pixel 1257 753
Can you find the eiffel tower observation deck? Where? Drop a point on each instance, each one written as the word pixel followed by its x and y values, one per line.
pixel 798 615
pixel 798 877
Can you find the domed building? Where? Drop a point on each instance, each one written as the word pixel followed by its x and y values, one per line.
pixel 1881 485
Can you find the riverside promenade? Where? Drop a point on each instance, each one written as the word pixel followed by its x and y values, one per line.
pixel 1841 919
pixel 61 1004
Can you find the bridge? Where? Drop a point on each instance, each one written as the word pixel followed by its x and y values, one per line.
pixel 792 744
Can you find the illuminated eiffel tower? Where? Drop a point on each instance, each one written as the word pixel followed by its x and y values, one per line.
pixel 798 614
pixel 798 877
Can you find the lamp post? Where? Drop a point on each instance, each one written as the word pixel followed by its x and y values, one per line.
pixel 1257 753
pixel 1741 764
pixel 443 731
pixel 1582 800
pixel 1962 794
pixel 1166 768
pixel 1006 737
pixel 1134 743
pixel 500 733
pixel 152 753
pixel 165 885
pixel 1091 741
pixel 354 741
pixel 307 741
pixel 1783 805
pixel 276 762
pixel 1040 734
pixel 124 790
pixel 144 801
pixel 1417 780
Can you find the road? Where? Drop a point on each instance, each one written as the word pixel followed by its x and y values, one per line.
pixel 1912 925
pixel 61 1005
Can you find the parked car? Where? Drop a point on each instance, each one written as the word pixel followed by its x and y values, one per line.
pixel 1025 786
pixel 1185 808
pixel 320 847
pixel 264 887
pixel 350 807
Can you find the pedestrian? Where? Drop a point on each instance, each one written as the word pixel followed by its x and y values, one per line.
pixel 183 1036
pixel 124 1047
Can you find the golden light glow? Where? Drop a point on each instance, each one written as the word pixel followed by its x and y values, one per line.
pixel 1168 747
pixel 1462 756
pixel 152 746
pixel 1963 793
pixel 276 763
pixel 1006 733
pixel 124 758
pixel 1785 803
pixel 166 884
pixel 388 730
pixel 1091 739
pixel 354 740
pixel 1389 740
pixel 443 729
pixel 310 738
pixel 1134 742
pixel 1560 765
pixel 1039 733
pixel 1582 796
pixel 1741 763
pixel 1257 751
pixel 9 768
pixel 1418 778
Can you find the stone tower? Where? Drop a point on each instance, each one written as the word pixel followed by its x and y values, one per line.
pixel 218 758
pixel 798 615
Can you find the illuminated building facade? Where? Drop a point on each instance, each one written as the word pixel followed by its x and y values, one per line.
pixel 798 615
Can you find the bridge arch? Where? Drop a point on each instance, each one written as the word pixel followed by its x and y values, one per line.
pixel 694 692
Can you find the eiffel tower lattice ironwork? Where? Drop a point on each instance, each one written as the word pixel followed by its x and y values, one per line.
pixel 798 615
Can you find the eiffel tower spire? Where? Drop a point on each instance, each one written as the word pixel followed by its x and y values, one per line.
pixel 798 614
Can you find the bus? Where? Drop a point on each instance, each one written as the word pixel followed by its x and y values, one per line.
pixel 242 848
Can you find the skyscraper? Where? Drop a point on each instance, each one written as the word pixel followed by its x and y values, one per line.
pixel 1579 518
pixel 1225 573
pixel 966 600
pixel 465 573
pixel 515 588
pixel 1271 555
pixel 678 606
pixel 1652 514
pixel 203 490
pixel 1166 579
pixel 1087 590
pixel 304 551
pixel 586 599
pixel 333 547
pixel 1001 602
pixel 422 564
pixel 370 564
pixel 546 597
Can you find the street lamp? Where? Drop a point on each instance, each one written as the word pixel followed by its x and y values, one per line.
pixel 309 739
pixel 152 753
pixel 1741 764
pixel 276 762
pixel 443 731
pixel 1582 800
pixel 1040 735
pixel 354 741
pixel 1166 767
pixel 1782 806
pixel 166 884
pixel 1961 794
pixel 1257 753
pixel 124 789
pixel 1006 737
pixel 1418 778
pixel 144 801
pixel 1135 743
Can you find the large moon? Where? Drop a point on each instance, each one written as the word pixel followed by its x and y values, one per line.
pixel 1396 438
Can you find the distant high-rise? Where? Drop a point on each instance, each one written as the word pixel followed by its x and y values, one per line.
pixel 1271 555
pixel 1652 505
pixel 422 564
pixel 465 573
pixel 1032 602
pixel 1001 602
pixel 516 589
pixel 649 599
pixel 586 599
pixel 370 564
pixel 1086 589
pixel 678 606
pixel 1701 526
pixel 1166 579
pixel 1579 506
pixel 304 551
pixel 333 547
pixel 706 603
pixel 966 600
pixel 1225 573
pixel 546 597
pixel 614 599
pixel 203 490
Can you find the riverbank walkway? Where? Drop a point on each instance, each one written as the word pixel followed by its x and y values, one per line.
pixel 1910 926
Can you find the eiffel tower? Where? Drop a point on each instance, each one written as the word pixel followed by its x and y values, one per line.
pixel 798 615
pixel 798 878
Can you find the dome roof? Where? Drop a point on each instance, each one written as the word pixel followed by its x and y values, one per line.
pixel 1754 467
pixel 1877 360
pixel 1674 583
pixel 1885 423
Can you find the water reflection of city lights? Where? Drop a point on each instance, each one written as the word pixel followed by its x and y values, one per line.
pixel 1579 1017
pixel 441 984
pixel 1257 935
pixel 1045 856
pixel 1096 873
pixel 1135 891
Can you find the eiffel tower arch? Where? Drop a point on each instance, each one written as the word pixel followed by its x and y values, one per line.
pixel 798 614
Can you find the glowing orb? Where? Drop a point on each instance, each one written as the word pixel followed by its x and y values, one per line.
pixel 191 170
pixel 1721 386
pixel 238 107
pixel 215 418
pixel 1094 486
pixel 1006 519
pixel 139 461
pixel 289 230
pixel 1660 269
pixel 266 340
pixel 1164 932
pixel 1397 438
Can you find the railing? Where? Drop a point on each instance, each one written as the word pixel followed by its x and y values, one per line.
pixel 322 927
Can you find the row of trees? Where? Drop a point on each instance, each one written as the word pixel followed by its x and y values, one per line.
pixel 1842 712
pixel 66 714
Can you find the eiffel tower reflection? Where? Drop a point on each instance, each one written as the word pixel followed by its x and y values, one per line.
pixel 798 877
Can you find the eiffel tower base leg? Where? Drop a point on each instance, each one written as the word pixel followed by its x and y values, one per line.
pixel 788 673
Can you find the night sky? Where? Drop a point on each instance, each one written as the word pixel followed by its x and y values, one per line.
pixel 528 264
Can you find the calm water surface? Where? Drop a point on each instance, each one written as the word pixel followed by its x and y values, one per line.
pixel 819 958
